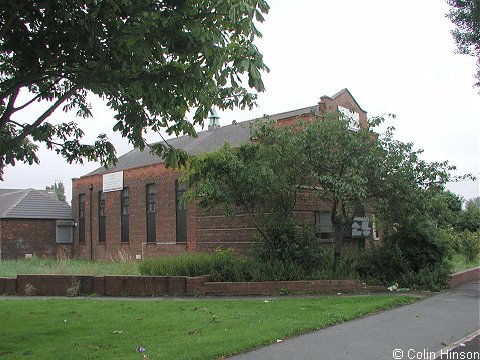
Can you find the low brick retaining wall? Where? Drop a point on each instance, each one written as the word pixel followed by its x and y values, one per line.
pixel 71 285
pixel 285 287
pixel 463 277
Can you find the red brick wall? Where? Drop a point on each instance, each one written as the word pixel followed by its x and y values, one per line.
pixel 281 287
pixel 30 236
pixel 72 285
pixel 136 180
pixel 205 231
pixel 214 230
pixel 463 277
pixel 345 100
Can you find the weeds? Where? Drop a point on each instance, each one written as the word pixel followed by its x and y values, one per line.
pixel 30 290
pixel 74 289
pixel 65 266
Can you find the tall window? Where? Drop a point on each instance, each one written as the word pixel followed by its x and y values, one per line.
pixel 181 212
pixel 81 218
pixel 150 212
pixel 102 234
pixel 124 216
pixel 323 225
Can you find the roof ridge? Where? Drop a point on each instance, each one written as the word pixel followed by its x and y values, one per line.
pixel 199 132
pixel 349 93
pixel 17 202
pixel 291 111
pixel 13 191
pixel 47 195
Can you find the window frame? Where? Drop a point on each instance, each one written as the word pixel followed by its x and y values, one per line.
pixel 150 208
pixel 102 226
pixel 323 225
pixel 81 217
pixel 124 215
pixel 180 213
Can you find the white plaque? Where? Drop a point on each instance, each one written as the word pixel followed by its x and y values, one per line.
pixel 113 181
pixel 352 116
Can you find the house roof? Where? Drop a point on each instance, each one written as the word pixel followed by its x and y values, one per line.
pixel 208 140
pixel 345 90
pixel 32 204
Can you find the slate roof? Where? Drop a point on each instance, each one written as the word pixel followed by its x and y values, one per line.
pixel 32 204
pixel 208 140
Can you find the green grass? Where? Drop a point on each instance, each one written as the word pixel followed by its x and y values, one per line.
pixel 459 263
pixel 12 268
pixel 169 329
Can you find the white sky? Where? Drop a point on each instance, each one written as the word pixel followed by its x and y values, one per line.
pixel 394 57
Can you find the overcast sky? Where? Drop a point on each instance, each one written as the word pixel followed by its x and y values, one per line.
pixel 394 57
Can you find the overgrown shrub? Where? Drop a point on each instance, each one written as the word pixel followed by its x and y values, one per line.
pixel 470 245
pixel 422 244
pixel 224 265
pixel 452 238
pixel 289 243
pixel 415 256
pixel 382 264
pixel 470 219
pixel 432 278
pixel 182 265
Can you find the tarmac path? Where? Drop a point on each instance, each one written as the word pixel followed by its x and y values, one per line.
pixel 416 331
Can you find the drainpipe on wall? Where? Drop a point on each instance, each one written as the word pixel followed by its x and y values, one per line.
pixel 91 207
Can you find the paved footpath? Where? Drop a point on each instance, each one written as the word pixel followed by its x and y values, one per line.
pixel 416 331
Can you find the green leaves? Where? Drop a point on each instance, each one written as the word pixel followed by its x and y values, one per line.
pixel 350 171
pixel 153 61
pixel 465 15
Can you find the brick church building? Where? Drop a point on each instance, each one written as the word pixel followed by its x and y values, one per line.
pixel 135 206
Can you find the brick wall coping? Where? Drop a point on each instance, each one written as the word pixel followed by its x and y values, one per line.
pixel 463 277
pixel 119 285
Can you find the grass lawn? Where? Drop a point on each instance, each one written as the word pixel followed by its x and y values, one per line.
pixel 459 263
pixel 168 329
pixel 12 268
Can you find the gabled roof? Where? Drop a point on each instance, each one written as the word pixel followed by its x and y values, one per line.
pixel 345 90
pixel 208 140
pixel 32 204
pixel 235 134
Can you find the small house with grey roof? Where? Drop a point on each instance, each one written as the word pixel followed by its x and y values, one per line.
pixel 135 207
pixel 34 222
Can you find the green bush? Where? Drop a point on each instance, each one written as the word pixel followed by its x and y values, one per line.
pixel 415 256
pixel 422 244
pixel 432 278
pixel 289 243
pixel 470 219
pixel 470 245
pixel 452 238
pixel 182 265
pixel 224 265
pixel 382 264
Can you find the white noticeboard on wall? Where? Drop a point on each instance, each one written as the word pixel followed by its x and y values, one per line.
pixel 113 181
pixel 361 227
pixel 352 116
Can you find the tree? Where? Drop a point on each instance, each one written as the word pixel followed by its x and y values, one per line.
pixel 473 202
pixel 470 219
pixel 261 181
pixel 59 190
pixel 152 61
pixel 465 14
pixel 352 172
pixel 446 209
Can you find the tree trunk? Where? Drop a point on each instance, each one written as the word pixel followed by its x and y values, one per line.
pixel 338 247
pixel 342 231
